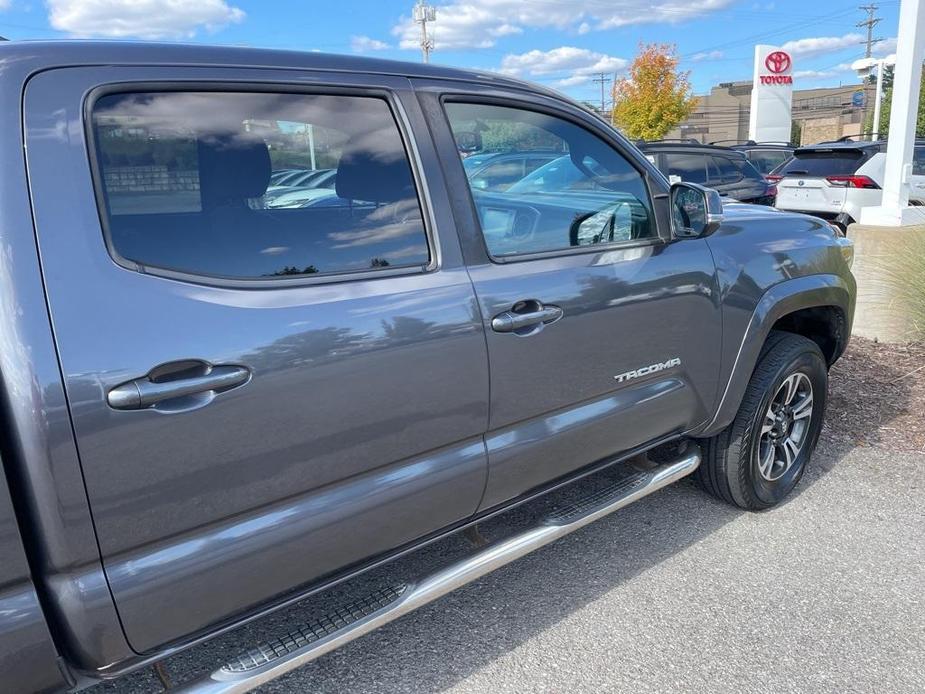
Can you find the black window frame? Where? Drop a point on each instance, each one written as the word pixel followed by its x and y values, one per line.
pixel 662 236
pixel 232 87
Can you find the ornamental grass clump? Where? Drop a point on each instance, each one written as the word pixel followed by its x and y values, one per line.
pixel 904 272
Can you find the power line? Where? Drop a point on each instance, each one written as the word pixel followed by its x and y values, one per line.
pixel 870 23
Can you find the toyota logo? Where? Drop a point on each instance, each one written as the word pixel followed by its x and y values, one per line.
pixel 777 62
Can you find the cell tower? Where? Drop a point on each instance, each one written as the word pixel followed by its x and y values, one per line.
pixel 423 14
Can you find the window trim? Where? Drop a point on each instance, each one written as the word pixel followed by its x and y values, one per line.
pixel 396 110
pixel 519 103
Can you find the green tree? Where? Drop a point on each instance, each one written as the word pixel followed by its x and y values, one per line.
pixel 884 126
pixel 655 97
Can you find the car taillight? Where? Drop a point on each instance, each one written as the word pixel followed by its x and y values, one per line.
pixel 852 181
pixel 773 178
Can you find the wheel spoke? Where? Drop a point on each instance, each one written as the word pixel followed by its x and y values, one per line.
pixel 804 408
pixel 768 422
pixel 790 388
pixel 766 461
pixel 791 450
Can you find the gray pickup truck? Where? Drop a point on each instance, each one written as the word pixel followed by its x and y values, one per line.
pixel 214 406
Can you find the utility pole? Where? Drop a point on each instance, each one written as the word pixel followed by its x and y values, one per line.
pixel 870 23
pixel 423 14
pixel 603 79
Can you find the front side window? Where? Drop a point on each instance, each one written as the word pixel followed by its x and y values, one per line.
pixel 586 193
pixel 256 185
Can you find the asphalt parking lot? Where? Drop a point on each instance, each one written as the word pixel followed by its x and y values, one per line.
pixel 675 593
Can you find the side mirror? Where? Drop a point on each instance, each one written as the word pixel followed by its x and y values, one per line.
pixel 468 141
pixel 695 210
pixel 612 223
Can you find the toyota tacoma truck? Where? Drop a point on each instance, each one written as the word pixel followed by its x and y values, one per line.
pixel 214 406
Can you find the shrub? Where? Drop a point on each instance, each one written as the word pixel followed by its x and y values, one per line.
pixel 904 272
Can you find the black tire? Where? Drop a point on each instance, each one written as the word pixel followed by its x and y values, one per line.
pixel 730 467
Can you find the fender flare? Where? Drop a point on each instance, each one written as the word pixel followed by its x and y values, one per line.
pixel 792 295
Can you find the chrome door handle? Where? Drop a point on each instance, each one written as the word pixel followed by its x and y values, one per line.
pixel 521 321
pixel 144 392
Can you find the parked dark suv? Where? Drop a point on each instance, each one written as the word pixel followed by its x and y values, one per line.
pixel 725 170
pixel 764 156
pixel 212 407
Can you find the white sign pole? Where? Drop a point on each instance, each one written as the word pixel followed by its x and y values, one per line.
pixel 894 208
pixel 772 95
pixel 878 99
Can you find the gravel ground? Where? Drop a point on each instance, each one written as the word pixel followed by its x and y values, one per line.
pixel 678 593
pixel 877 396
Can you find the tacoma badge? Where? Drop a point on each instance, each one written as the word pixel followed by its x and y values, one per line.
pixel 645 370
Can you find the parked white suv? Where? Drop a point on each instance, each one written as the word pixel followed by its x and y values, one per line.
pixel 834 180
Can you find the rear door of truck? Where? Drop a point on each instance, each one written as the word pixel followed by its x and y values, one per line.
pixel 261 395
pixel 28 658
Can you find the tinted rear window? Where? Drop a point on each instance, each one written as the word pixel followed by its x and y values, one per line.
pixel 688 167
pixel 820 163
pixel 188 184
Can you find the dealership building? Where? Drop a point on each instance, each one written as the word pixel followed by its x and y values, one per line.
pixel 820 114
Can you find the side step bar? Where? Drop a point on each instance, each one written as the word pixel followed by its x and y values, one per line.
pixel 272 659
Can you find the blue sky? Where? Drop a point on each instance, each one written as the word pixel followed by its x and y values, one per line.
pixel 560 43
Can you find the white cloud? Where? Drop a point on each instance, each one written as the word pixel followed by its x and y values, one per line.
pixel 822 44
pixel 146 19
pixel 839 69
pixel 480 23
pixel 706 55
pixel 885 47
pixel 579 64
pixel 4 5
pixel 364 44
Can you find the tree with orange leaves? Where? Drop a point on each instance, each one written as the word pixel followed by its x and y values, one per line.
pixel 655 96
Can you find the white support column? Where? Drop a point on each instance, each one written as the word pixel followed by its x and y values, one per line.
pixel 894 208
pixel 878 99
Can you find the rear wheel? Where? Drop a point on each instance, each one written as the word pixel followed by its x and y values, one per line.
pixel 759 458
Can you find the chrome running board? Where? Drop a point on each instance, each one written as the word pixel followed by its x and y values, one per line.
pixel 299 646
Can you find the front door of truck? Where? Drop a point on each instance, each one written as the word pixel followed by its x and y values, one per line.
pixel 603 335
pixel 258 373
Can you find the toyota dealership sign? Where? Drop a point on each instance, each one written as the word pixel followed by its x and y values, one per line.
pixel 772 94
pixel 778 64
